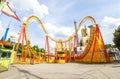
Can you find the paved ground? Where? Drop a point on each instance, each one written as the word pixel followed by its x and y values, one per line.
pixel 63 71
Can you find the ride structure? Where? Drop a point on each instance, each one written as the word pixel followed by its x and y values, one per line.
pixel 7 54
pixel 95 50
pixel 6 9
pixel 60 53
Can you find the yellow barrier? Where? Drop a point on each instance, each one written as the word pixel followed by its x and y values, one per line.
pixel 61 61
pixel 5 63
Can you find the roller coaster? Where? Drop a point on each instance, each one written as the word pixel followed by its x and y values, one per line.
pixel 94 52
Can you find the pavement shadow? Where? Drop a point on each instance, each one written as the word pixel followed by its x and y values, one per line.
pixel 27 72
pixel 117 62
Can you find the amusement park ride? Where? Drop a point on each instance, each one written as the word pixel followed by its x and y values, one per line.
pixel 94 51
pixel 67 50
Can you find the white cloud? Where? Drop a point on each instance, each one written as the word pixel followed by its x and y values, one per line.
pixel 24 18
pixel 30 5
pixel 57 31
pixel 109 24
pixel 40 10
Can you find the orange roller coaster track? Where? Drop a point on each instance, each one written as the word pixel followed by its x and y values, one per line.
pixel 95 50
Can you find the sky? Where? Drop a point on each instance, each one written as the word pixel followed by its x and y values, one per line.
pixel 58 18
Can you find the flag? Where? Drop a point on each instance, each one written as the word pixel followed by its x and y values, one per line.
pixel 9 12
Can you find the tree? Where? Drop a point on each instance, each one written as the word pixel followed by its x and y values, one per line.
pixel 36 48
pixel 108 45
pixel 116 39
pixel 42 50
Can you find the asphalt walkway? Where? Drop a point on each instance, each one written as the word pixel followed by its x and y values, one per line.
pixel 63 71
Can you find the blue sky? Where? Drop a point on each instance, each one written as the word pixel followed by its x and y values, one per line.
pixel 58 17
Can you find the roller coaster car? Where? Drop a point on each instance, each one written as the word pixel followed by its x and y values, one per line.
pixel 61 54
pixel 61 57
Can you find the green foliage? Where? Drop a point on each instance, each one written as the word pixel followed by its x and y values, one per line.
pixel 110 45
pixel 42 50
pixel 36 48
pixel 116 39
